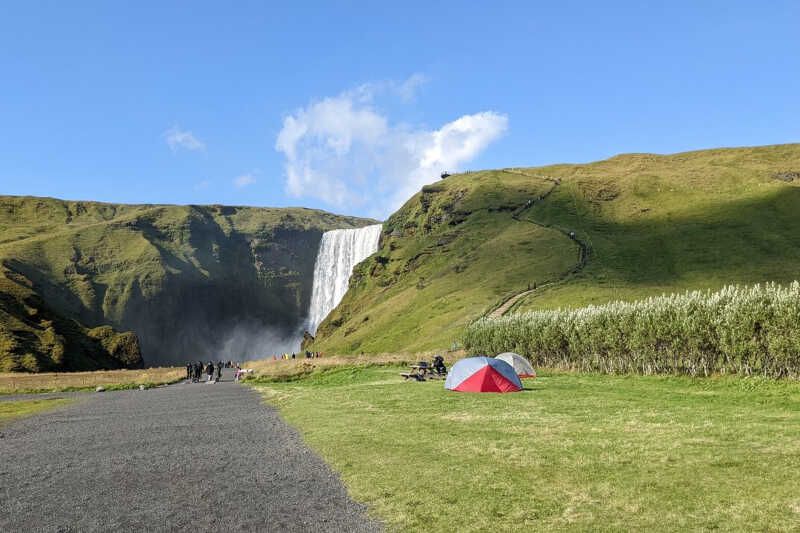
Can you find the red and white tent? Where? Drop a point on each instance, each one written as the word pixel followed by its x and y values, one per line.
pixel 482 374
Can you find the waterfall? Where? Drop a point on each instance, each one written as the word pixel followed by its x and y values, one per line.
pixel 339 251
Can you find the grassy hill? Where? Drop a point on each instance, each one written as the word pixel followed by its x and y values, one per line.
pixel 190 281
pixel 34 337
pixel 643 225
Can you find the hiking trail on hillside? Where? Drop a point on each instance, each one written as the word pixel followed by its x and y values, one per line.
pixel 583 247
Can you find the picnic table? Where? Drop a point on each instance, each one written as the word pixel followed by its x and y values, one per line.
pixel 421 372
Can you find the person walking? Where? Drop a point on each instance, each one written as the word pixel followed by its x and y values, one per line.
pixel 198 369
pixel 189 371
pixel 218 374
pixel 210 372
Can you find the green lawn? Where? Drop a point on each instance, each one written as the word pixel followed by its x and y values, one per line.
pixel 572 451
pixel 10 410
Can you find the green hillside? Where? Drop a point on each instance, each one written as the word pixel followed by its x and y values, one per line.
pixel 647 224
pixel 34 337
pixel 190 281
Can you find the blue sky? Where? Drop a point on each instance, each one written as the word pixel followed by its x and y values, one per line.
pixel 351 106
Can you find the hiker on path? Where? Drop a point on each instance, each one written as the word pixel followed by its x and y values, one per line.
pixel 198 369
pixel 210 372
pixel 218 375
pixel 189 371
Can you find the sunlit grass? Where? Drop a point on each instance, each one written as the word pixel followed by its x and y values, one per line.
pixel 268 370
pixel 18 382
pixel 654 224
pixel 10 410
pixel 571 452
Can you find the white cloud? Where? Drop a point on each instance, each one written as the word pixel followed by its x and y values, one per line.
pixel 407 90
pixel 345 152
pixel 177 139
pixel 244 180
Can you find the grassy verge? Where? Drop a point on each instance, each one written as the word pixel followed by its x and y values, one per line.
pixel 18 409
pixel 19 383
pixel 271 371
pixel 572 451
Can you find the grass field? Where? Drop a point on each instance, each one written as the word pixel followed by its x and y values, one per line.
pixel 572 452
pixel 17 409
pixel 18 382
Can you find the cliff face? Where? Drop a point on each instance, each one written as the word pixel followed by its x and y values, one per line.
pixel 34 337
pixel 190 281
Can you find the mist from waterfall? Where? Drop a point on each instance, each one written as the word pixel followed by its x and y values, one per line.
pixel 339 251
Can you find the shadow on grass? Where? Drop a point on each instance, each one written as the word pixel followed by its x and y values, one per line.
pixel 749 239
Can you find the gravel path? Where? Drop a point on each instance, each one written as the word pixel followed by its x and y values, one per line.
pixel 184 457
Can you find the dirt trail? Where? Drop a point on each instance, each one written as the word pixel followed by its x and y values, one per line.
pixel 508 304
pixel 583 247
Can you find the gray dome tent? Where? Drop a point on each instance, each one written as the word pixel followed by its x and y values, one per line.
pixel 520 365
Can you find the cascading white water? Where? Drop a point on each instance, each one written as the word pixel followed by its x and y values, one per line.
pixel 339 251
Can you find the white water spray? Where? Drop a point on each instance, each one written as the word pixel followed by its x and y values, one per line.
pixel 339 251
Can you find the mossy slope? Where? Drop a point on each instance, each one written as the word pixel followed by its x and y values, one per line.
pixel 652 224
pixel 185 279
pixel 34 337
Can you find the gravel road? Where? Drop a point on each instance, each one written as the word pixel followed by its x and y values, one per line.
pixel 184 457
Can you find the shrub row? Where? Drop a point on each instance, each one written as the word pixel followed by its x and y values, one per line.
pixel 736 330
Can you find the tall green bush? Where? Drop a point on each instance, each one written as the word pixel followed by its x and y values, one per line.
pixel 736 330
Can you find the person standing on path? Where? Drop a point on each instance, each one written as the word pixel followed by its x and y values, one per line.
pixel 218 373
pixel 210 372
pixel 189 371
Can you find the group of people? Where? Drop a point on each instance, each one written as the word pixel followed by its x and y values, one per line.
pixel 196 370
pixel 213 371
